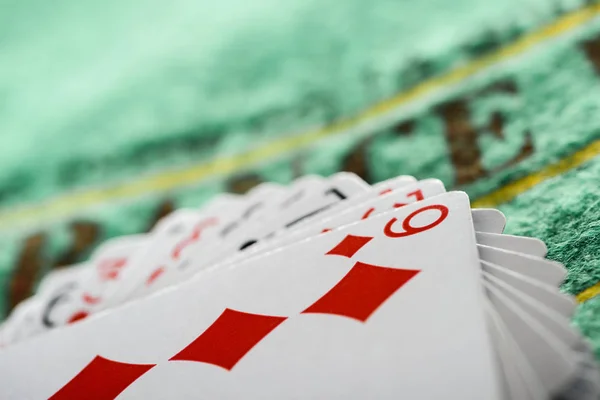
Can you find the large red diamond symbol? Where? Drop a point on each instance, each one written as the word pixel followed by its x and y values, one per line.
pixel 349 246
pixel 101 379
pixel 364 288
pixel 229 338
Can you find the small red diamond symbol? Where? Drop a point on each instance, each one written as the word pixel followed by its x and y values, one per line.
pixel 229 338
pixel 101 379
pixel 349 246
pixel 364 288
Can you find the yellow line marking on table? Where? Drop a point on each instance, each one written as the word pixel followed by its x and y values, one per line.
pixel 73 202
pixel 588 293
pixel 511 190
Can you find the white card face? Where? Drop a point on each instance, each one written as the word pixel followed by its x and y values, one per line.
pixel 560 328
pixel 51 291
pixel 545 293
pixel 73 293
pixel 29 318
pixel 69 295
pixel 204 229
pixel 547 271
pixel 254 204
pixel 394 183
pixel 21 323
pixel 316 196
pixel 77 300
pixel 377 204
pixel 183 229
pixel 182 232
pixel 488 220
pixel 373 192
pixel 343 315
pixel 262 200
pixel 518 244
pixel 338 187
pixel 60 277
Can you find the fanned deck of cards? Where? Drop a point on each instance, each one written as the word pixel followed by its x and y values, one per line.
pixel 324 289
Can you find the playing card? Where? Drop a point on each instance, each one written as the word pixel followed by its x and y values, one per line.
pixel 21 323
pixel 551 359
pixel 377 204
pixel 547 271
pixel 260 198
pixel 552 320
pixel 394 183
pixel 185 229
pixel 32 316
pixel 584 384
pixel 199 229
pixel 513 383
pixel 484 220
pixel 70 294
pixel 174 235
pixel 378 189
pixel 547 294
pixel 340 186
pixel 315 198
pixel 342 315
pixel 518 244
pixel 488 220
pixel 62 276
pixel 74 293
pixel 77 298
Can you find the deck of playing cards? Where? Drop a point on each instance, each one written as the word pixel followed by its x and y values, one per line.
pixel 324 289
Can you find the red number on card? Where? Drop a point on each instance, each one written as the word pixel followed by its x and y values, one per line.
pixel 411 230
pixel 367 213
pixel 418 197
pixel 154 275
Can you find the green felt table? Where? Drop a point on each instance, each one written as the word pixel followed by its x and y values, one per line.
pixel 114 113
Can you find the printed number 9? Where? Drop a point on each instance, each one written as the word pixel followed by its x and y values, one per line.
pixel 410 230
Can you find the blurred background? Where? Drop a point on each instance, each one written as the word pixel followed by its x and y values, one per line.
pixel 114 113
